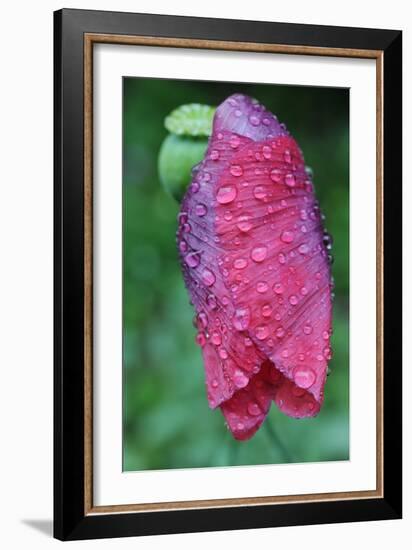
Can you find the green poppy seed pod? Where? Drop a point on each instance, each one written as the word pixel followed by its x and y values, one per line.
pixel 190 127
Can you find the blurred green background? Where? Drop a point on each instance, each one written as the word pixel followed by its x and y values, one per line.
pixel 167 422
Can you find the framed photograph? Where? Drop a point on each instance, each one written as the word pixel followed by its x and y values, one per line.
pixel 227 274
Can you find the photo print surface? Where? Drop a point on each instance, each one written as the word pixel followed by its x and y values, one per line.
pixel 235 274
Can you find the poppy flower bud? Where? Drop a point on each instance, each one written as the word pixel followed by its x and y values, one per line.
pixel 254 258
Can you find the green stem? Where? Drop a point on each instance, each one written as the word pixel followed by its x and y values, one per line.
pixel 274 437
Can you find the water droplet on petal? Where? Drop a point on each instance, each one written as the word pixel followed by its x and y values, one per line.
pixel 200 339
pixel 281 258
pixel 244 223
pixel 266 310
pixel 260 192
pixel 258 253
pixel 280 332
pixel 303 248
pixel 240 263
pixel 214 383
pixel 307 329
pixel 234 141
pixel 200 210
pixel 278 288
pixel 254 120
pixel 208 277
pixel 253 409
pixel 223 353
pixel 183 246
pixel 267 151
pixel 240 379
pixel 192 259
pixel 241 318
pixel 262 287
pixel 211 301
pixel 290 180
pixel 216 339
pixel 262 332
pixel 226 194
pixel 303 376
pixel 236 170
pixel 276 175
pixel 287 236
pixel 287 156
pixel 202 319
pixel 293 300
pixel 214 155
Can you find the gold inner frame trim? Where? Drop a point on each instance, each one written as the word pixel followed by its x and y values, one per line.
pixel 89 40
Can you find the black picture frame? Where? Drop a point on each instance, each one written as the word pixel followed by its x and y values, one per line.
pixel 71 521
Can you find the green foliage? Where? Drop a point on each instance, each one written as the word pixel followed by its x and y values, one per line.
pixel 167 422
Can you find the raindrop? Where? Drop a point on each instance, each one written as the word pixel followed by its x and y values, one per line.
pixel 281 258
pixel 253 409
pixel 244 223
pixel 287 236
pixel 183 246
pixel 258 253
pixel 266 310
pixel 211 301
pixel 287 156
pixel 208 277
pixel 254 120
pixel 262 287
pixel 276 175
pixel 240 263
pixel 280 332
pixel 216 339
pixel 192 259
pixel 290 180
pixel 202 319
pixel 241 318
pixel 267 151
pixel 214 155
pixel 236 170
pixel 303 376
pixel 240 379
pixel 260 192
pixel 226 194
pixel 223 353
pixel 234 141
pixel 307 329
pixel 262 332
pixel 200 339
pixel 327 241
pixel 200 210
pixel 293 300
pixel 278 288
pixel 214 383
